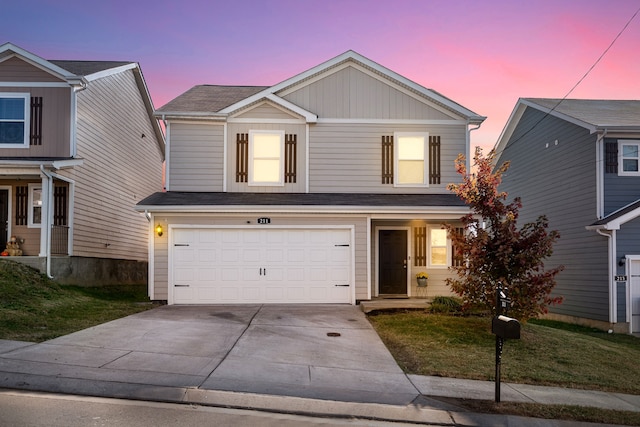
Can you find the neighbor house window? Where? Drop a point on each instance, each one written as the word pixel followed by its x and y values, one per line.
pixel 411 153
pixel 14 119
pixel 629 157
pixel 35 205
pixel 266 153
pixel 438 247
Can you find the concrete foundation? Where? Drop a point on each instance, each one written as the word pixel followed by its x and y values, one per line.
pixel 83 271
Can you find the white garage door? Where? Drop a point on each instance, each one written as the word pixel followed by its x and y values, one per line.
pixel 239 265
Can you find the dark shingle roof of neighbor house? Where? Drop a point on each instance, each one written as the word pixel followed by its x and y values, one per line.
pixel 86 68
pixel 209 98
pixel 597 112
pixel 617 214
pixel 179 198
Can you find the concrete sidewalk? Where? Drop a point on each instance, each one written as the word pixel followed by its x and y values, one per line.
pixel 307 359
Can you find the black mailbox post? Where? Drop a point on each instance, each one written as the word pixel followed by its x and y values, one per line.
pixel 504 328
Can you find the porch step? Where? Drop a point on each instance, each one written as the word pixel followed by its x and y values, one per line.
pixel 394 304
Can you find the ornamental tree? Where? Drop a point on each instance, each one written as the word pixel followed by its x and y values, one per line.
pixel 494 251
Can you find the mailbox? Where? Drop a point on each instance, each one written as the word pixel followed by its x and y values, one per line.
pixel 506 327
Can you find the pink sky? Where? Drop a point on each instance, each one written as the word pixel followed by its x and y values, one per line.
pixel 482 54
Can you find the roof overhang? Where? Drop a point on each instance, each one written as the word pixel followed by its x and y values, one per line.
pixel 618 218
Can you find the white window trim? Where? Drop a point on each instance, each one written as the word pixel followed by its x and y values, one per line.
pixel 280 182
pixel 448 247
pixel 621 171
pixel 396 168
pixel 27 123
pixel 30 223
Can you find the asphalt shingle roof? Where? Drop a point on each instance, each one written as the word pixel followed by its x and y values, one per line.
pixel 209 98
pixel 178 198
pixel 597 112
pixel 86 68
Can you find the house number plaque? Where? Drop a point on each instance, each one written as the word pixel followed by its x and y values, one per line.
pixel 264 220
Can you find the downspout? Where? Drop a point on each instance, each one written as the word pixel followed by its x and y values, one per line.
pixel 468 147
pixel 49 216
pixel 613 312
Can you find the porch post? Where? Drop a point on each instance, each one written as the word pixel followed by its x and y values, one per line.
pixel 44 217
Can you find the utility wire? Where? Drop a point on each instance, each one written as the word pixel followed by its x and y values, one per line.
pixel 575 85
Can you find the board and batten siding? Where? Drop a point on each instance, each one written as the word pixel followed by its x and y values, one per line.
pixel 289 128
pixel 353 92
pixel 553 170
pixel 265 110
pixel 161 262
pixel 120 168
pixel 348 157
pixel 196 156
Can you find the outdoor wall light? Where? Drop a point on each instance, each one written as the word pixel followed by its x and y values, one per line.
pixel 159 230
pixel 622 261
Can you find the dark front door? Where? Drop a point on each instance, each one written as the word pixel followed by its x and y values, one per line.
pixel 392 262
pixel 4 216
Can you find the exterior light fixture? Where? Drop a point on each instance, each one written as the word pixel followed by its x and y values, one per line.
pixel 159 230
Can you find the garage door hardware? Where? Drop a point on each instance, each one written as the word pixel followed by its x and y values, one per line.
pixel 263 271
pixel 181 286
pixel 333 334
pixel 180 244
pixel 343 246
pixel 347 285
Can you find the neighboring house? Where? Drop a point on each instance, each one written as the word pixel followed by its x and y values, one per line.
pixel 329 187
pixel 79 146
pixel 578 162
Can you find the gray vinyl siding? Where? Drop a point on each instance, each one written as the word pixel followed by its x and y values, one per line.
pixel 348 157
pixel 351 93
pixel 628 243
pixel 161 263
pixel 619 191
pixel 120 168
pixel 298 129
pixel 56 123
pixel 196 155
pixel 559 181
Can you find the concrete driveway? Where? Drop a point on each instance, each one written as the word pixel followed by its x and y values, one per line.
pixel 326 352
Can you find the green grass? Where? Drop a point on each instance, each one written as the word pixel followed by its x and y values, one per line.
pixel 34 308
pixel 548 353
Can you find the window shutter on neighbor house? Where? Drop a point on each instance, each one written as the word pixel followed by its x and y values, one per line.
pixel 387 159
pixel 611 157
pixel 290 155
pixel 434 159
pixel 22 197
pixel 35 134
pixel 60 205
pixel 242 157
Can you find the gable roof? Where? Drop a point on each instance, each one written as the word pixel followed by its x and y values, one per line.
pixel 207 99
pixel 181 106
pixel 86 68
pixel 614 220
pixel 595 115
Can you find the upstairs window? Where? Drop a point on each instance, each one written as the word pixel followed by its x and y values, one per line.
pixel 411 159
pixel 14 120
pixel 629 154
pixel 266 153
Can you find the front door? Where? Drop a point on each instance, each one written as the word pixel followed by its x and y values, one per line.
pixel 392 262
pixel 634 283
pixel 4 216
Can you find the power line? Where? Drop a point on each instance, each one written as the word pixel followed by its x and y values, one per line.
pixel 575 85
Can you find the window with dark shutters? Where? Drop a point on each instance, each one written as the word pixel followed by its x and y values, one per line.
pixel 242 157
pixel 420 246
pixel 290 155
pixel 611 157
pixel 434 159
pixel 387 159
pixel 35 136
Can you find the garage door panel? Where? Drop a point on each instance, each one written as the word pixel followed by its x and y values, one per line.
pixel 261 265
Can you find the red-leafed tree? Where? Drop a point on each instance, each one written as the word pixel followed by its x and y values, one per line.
pixel 494 252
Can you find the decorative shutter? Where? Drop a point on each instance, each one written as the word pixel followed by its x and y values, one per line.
pixel 242 157
pixel 60 205
pixel 36 121
pixel 290 155
pixel 387 159
pixel 611 157
pixel 420 246
pixel 22 197
pixel 434 159
pixel 456 259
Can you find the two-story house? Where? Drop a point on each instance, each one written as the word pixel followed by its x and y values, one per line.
pixel 329 187
pixel 577 161
pixel 79 146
